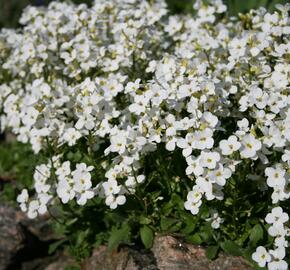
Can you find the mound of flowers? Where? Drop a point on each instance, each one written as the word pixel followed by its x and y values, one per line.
pixel 155 122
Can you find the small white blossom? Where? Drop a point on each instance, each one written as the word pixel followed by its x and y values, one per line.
pixel 250 146
pixel 261 256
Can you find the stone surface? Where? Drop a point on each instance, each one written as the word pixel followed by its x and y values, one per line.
pixel 24 242
pixel 167 253
pixel 11 234
pixel 173 254
pixel 126 258
pixel 60 262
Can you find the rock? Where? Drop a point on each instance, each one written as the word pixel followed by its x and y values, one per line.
pixel 23 242
pixel 126 258
pixel 58 261
pixel 61 263
pixel 58 265
pixel 173 254
pixel 11 234
pixel 9 137
pixel 40 227
pixel 167 253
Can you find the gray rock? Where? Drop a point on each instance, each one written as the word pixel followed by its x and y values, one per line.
pixel 167 253
pixel 11 234
pixel 23 242
pixel 125 259
pixel 173 254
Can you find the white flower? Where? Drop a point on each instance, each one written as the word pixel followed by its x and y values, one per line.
pixel 230 145
pixel 277 229
pixel 204 139
pixel 193 166
pixel 64 170
pixel 210 119
pixel 261 256
pixel 205 185
pixel 186 144
pixel 215 220
pixel 173 26
pixel 65 190
pixel 220 175
pixel 286 156
pixel 278 263
pixel 209 159
pixel 132 86
pixel 111 187
pixel 119 142
pixel 84 195
pixel 277 216
pixel 250 146
pixel 113 201
pixel 30 116
pixel 198 140
pixel 275 177
pixel 80 186
pixel 195 195
pixel 33 209
pixel 71 135
pixel 192 206
pixel 22 199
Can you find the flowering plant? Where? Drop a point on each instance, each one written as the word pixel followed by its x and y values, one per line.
pixel 151 122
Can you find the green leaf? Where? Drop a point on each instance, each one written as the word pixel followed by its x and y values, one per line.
pixel 189 228
pixel 206 233
pixel 144 220
pixel 176 200
pixel 53 247
pixel 118 236
pixel 231 247
pixel 194 239
pixel 256 234
pixel 167 208
pixel 211 252
pixel 176 227
pixel 72 221
pixel 190 223
pixel 147 236
pixel 72 268
pixel 166 223
pixel 82 236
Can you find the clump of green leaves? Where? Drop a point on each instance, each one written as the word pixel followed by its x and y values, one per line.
pixel 17 163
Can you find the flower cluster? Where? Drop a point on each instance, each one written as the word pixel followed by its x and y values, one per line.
pixel 274 258
pixel 124 78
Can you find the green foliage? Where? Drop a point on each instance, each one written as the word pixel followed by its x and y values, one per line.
pixel 234 6
pixel 212 251
pixel 231 247
pixel 237 6
pixel 17 163
pixel 118 236
pixel 72 268
pixel 256 234
pixel 53 247
pixel 147 236
pixel 161 209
